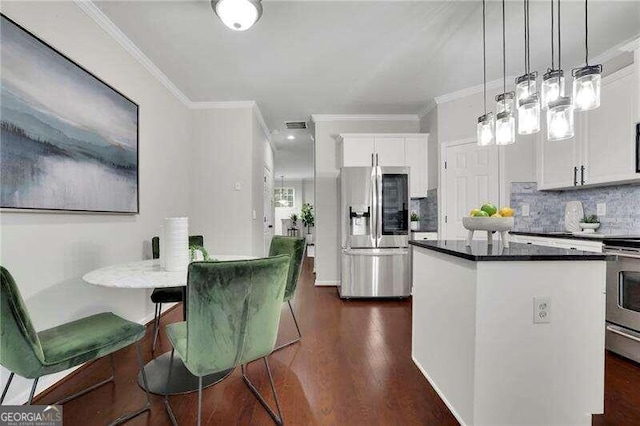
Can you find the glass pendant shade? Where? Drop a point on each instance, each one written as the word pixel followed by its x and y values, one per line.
pixel 505 128
pixel 560 119
pixel 529 115
pixel 526 86
pixel 485 128
pixel 505 102
pixel 238 15
pixel 586 87
pixel 552 87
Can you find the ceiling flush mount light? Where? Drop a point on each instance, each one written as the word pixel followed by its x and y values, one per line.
pixel 586 80
pixel 291 137
pixel 560 119
pixel 485 124
pixel 505 120
pixel 527 98
pixel 239 15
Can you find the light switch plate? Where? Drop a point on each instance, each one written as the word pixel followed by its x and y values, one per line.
pixel 601 209
pixel 238 186
pixel 525 209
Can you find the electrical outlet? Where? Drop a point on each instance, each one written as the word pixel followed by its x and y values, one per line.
pixel 525 209
pixel 541 310
pixel 601 209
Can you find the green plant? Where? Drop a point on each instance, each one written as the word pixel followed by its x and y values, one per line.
pixel 591 219
pixel 306 215
pixel 294 219
pixel 415 217
pixel 194 247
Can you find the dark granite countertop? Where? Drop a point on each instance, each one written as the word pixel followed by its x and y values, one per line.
pixel 481 251
pixel 570 236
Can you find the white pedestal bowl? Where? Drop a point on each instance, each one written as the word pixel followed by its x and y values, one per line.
pixel 490 224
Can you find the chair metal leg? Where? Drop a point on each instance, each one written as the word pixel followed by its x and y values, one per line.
pixel 89 389
pixel 147 406
pixel 276 417
pixel 295 321
pixel 6 388
pixel 33 390
pixel 167 406
pixel 156 325
pixel 199 400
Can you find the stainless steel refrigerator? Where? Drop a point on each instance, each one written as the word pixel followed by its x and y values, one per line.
pixel 374 212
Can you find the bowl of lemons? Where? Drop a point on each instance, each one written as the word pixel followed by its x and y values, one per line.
pixel 488 218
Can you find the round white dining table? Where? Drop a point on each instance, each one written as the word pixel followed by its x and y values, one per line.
pixel 149 274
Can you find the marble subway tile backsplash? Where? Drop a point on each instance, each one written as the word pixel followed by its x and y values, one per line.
pixel 546 208
pixel 427 209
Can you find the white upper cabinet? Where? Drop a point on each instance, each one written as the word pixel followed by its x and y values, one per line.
pixel 609 150
pixel 390 150
pixel 358 152
pixel 416 151
pixel 603 150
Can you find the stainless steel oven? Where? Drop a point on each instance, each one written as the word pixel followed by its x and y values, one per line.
pixel 623 301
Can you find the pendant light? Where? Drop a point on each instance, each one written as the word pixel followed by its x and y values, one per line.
pixel 505 119
pixel 553 79
pixel 281 201
pixel 586 80
pixel 238 15
pixel 486 123
pixel 527 97
pixel 560 110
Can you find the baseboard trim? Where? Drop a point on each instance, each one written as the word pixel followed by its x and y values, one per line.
pixel 52 382
pixel 327 283
pixel 435 387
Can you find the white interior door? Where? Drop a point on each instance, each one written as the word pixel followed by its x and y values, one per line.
pixel 471 178
pixel 269 209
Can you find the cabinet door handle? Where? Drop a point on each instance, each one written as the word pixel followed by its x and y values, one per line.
pixel 581 175
pixel 575 176
pixel 376 160
pixel 372 163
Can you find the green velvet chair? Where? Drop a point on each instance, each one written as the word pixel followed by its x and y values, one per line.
pixel 167 294
pixel 232 319
pixel 33 355
pixel 294 247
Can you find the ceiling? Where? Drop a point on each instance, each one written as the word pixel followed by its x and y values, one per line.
pixel 355 57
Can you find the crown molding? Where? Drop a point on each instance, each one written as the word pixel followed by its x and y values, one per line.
pixel 364 117
pixel 631 44
pixel 221 104
pixel 495 84
pixel 427 109
pixel 112 29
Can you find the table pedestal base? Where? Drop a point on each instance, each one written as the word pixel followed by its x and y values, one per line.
pixel 182 381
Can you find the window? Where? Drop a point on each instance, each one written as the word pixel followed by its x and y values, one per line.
pixel 283 197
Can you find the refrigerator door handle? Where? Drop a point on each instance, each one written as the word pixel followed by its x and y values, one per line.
pixel 379 201
pixel 374 205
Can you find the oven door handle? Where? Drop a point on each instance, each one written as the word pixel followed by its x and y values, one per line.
pixel 623 254
pixel 619 332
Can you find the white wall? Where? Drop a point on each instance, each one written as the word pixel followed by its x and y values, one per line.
pixel 228 148
pixel 48 253
pixel 327 169
pixel 429 124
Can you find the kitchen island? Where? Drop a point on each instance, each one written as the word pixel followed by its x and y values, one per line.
pixel 510 336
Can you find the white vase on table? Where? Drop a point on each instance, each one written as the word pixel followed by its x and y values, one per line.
pixel 176 245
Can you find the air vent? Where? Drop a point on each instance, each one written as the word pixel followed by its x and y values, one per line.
pixel 295 125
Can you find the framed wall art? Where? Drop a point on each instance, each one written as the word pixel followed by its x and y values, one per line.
pixel 69 141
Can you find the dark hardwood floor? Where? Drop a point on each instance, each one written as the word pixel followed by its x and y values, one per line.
pixel 352 367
